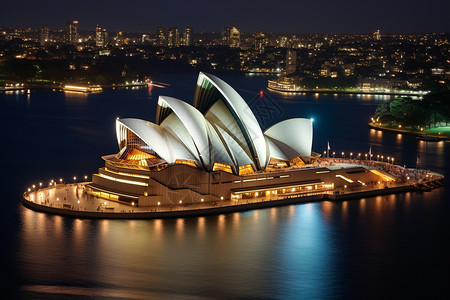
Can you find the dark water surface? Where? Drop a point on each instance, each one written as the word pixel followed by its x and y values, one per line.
pixel 392 247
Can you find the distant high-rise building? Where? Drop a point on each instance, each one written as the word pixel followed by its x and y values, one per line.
pixel 259 41
pixel 161 39
pixel 226 36
pixel 72 32
pixel 283 42
pixel 188 36
pixel 45 35
pixel 377 35
pixel 101 37
pixel 235 37
pixel 173 37
pixel 119 40
pixel 291 61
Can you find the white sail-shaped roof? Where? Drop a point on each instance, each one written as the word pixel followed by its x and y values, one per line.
pixel 293 137
pixel 157 138
pixel 220 129
pixel 195 124
pixel 241 112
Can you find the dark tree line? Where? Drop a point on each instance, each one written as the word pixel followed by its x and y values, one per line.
pixel 431 111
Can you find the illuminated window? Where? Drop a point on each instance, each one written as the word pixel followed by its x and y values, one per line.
pixel 246 169
pixel 186 162
pixel 222 167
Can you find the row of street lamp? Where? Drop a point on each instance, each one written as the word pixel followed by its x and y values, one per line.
pixel 53 183
pixel 389 159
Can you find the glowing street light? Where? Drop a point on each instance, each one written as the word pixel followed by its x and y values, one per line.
pixel 334 153
pixel 342 154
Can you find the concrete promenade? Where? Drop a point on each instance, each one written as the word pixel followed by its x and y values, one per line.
pixel 404 131
pixel 72 199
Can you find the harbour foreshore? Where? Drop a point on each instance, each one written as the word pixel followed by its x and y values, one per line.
pixel 404 131
pixel 72 199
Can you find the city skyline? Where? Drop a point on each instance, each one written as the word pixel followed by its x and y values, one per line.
pixel 319 17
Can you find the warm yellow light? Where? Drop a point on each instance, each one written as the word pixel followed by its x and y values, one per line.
pixel 345 178
pixel 123 180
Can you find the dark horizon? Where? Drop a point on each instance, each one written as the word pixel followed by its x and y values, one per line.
pixel 322 17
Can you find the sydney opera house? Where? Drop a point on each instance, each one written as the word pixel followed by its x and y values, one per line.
pixel 213 150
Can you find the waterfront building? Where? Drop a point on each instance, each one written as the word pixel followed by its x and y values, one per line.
pixel 101 37
pixel 215 150
pixel 72 28
pixel 189 36
pixel 380 85
pixel 235 37
pixel 44 35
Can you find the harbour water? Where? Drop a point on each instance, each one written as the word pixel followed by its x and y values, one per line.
pixel 382 247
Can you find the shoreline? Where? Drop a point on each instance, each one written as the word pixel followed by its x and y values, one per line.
pixel 323 91
pixel 404 131
pixel 109 211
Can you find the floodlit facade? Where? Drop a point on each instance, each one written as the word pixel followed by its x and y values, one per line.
pixel 210 151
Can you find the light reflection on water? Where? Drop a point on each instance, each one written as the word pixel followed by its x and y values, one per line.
pixel 317 250
pixel 280 252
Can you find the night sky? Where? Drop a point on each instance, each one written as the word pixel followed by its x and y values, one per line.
pixel 321 16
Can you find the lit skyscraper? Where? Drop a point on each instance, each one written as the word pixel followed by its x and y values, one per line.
pixel 101 37
pixel 377 35
pixel 226 36
pixel 161 39
pixel 119 40
pixel 72 32
pixel 188 36
pixel 173 37
pixel 259 41
pixel 291 61
pixel 45 35
pixel 235 37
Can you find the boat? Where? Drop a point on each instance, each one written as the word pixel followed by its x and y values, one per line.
pixel 83 88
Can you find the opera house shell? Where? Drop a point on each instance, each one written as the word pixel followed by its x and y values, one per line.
pixel 209 151
pixel 219 132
